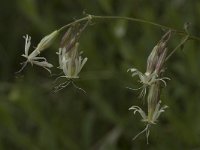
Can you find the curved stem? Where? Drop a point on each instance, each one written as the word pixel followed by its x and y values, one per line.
pixel 177 47
pixel 90 17
pixel 74 22
pixel 134 20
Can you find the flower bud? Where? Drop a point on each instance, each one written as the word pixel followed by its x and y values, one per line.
pixel 47 41
pixel 44 43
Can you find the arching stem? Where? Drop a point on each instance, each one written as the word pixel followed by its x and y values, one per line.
pixel 177 47
pixel 94 17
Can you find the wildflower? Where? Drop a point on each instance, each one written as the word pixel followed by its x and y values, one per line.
pixel 155 63
pixel 152 79
pixel 158 110
pixel 67 43
pixel 144 118
pixel 72 62
pixel 33 57
pixel 147 79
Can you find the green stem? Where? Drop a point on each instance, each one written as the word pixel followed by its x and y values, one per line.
pixel 90 17
pixel 177 47
pixel 74 22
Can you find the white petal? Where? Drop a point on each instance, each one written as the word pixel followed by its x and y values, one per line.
pixel 65 67
pixel 83 63
pixel 43 64
pixel 132 70
pixel 139 110
pixel 60 57
pixel 70 67
pixel 77 67
pixel 158 111
pixel 27 44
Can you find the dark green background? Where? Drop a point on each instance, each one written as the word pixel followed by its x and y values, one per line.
pixel 32 117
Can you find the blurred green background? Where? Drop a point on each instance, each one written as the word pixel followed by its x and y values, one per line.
pixel 32 117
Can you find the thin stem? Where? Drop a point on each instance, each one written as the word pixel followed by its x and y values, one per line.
pixel 134 20
pixel 177 47
pixel 74 22
pixel 90 17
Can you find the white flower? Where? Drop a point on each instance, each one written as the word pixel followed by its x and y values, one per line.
pixel 71 62
pixel 32 57
pixel 149 120
pixel 147 79
pixel 158 111
pixel 145 119
pixel 140 111
pixel 155 115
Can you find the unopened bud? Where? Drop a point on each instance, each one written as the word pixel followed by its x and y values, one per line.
pixel 46 41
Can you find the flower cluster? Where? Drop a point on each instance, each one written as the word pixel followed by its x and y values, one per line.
pixel 151 84
pixel 70 60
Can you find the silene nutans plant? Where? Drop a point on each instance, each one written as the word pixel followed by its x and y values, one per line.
pixel 71 62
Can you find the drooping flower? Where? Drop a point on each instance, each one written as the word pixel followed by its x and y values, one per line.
pixel 151 120
pixel 33 57
pixel 146 79
pixel 155 64
pixel 71 62
pixel 151 84
pixel 148 120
